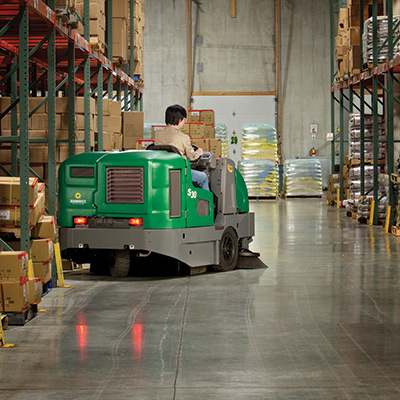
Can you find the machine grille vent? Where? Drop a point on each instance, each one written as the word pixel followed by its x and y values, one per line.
pixel 125 185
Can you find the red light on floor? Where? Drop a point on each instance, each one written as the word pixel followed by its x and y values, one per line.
pixel 80 220
pixel 137 338
pixel 136 221
pixel 81 336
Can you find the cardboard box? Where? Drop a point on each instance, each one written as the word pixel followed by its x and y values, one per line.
pixel 34 290
pixel 186 128
pixel 80 135
pixel 129 142
pixel 5 155
pixel 119 33
pixel 207 116
pixel 142 144
pixel 155 128
pixel 133 124
pixel 13 265
pixel 37 134
pixel 215 147
pixel 38 121
pixel 193 116
pixel 202 143
pixel 6 124
pixel 45 228
pixel 62 105
pixel 14 296
pixel 10 191
pixel 42 270
pixel 79 122
pixel 34 102
pixel 112 123
pixel 38 153
pixel 10 216
pixel 5 102
pixel 111 107
pixel 42 250
pixel 196 130
pixel 120 9
pixel 117 140
pixel 108 141
pixel 209 131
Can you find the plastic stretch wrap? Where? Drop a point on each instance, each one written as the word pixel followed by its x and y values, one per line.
pixel 260 142
pixel 221 132
pixel 261 177
pixel 147 131
pixel 303 177
pixel 383 30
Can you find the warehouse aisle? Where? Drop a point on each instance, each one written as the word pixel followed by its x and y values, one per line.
pixel 322 322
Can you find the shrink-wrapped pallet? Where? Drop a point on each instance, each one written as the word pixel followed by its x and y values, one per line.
pixel 260 142
pixel 261 177
pixel 303 177
pixel 221 132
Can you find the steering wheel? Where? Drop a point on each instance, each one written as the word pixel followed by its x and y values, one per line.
pixel 195 163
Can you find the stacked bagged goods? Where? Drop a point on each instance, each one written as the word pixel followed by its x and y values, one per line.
pixel 261 177
pixel 355 136
pixel 132 128
pixel 383 30
pixel 259 160
pixel 303 177
pixel 221 132
pixel 97 22
pixel 112 125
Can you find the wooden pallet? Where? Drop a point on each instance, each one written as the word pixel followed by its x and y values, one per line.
pixel 367 161
pixel 119 61
pixel 20 318
pixel 97 45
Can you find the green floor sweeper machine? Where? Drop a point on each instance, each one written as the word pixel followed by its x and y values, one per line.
pixel 117 209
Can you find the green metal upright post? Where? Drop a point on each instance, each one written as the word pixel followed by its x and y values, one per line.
pixel 362 106
pixel 14 121
pixel 131 50
pixel 341 116
pixel 110 44
pixel 24 126
pixel 71 99
pixel 100 109
pixel 390 111
pixel 86 71
pixel 51 113
pixel 375 110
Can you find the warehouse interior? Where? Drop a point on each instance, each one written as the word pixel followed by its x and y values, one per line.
pixel 121 278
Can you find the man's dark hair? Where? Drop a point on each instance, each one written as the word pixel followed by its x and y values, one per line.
pixel 174 114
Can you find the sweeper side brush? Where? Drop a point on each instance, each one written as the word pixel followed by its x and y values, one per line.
pixel 249 260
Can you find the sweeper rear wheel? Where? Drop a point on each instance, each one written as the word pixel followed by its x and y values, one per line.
pixel 228 251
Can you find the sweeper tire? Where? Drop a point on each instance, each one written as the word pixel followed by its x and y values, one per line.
pixel 228 251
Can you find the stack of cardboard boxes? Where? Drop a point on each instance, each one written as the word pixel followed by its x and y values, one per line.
pixel 139 23
pixel 201 129
pixel 120 13
pixel 347 41
pixel 132 128
pixel 97 22
pixel 112 122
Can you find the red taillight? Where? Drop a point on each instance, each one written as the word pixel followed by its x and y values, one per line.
pixel 80 220
pixel 136 221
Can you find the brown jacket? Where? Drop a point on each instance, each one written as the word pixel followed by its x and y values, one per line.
pixel 173 136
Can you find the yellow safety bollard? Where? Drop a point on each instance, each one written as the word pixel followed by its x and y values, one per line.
pixel 338 197
pixel 31 275
pixel 387 221
pixel 60 273
pixel 2 339
pixel 371 215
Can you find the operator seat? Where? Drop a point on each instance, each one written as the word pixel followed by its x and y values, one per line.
pixel 163 147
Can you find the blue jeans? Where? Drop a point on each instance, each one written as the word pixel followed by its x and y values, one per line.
pixel 200 178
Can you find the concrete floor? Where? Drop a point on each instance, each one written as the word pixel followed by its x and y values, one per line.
pixel 321 323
